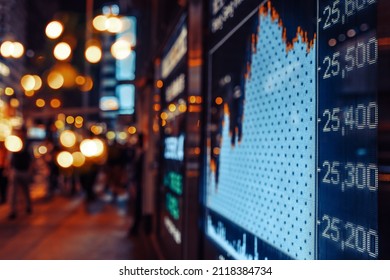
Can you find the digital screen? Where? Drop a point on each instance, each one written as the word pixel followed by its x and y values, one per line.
pixel 347 131
pixel 291 144
pixel 125 94
pixel 36 133
pixel 174 95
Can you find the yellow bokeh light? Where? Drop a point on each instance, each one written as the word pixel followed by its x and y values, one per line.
pixel 93 54
pixel 5 129
pixel 78 125
pixel 7 49
pixel 99 147
pixel 121 49
pixel 18 50
pixel 89 148
pixel 70 119
pixel 172 107
pixel 114 25
pixel 55 103
pixel 65 159
pixel 37 82
pixel 110 135
pixel 78 159
pixel 13 143
pixel 59 124
pixel 61 116
pixel 182 108
pixel 122 135
pixel 14 103
pixel 40 103
pixel 55 80
pixel 80 80
pixel 100 23
pixel 132 130
pixel 97 130
pixel 29 93
pixel 54 29
pixel 9 91
pixel 68 138
pixel 164 115
pixel 79 119
pixel 28 82
pixel 62 51
pixel 42 150
pixel 88 85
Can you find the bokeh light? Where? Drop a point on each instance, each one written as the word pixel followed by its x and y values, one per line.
pixel 99 147
pixel 132 130
pixel 100 23
pixel 14 103
pixel 62 51
pixel 28 82
pixel 70 119
pixel 68 138
pixel 55 103
pixel 40 103
pixel 42 150
pixel 114 25
pixel 5 129
pixel 89 148
pixel 18 50
pixel 7 49
pixel 121 49
pixel 38 82
pixel 9 91
pixel 93 54
pixel 13 143
pixel 110 135
pixel 54 29
pixel 78 159
pixel 55 80
pixel 65 159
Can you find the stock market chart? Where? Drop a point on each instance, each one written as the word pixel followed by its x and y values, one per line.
pixel 291 144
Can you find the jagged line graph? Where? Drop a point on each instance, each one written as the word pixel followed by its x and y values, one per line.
pixel 263 165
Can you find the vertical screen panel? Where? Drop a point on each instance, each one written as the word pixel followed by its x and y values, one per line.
pixel 261 164
pixel 174 95
pixel 347 130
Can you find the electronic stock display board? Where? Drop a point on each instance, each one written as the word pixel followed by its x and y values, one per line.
pixel 292 123
pixel 173 97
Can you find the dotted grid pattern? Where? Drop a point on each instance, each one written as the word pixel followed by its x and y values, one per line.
pixel 267 183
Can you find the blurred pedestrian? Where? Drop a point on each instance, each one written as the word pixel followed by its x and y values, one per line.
pixel 21 165
pixel 4 164
pixel 116 169
pixel 137 186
